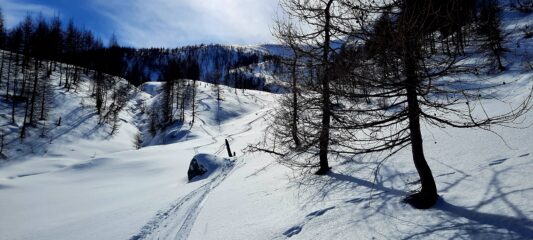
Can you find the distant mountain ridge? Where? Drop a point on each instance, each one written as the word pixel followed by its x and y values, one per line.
pixel 246 67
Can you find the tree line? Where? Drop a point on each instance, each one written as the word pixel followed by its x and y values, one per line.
pixel 364 76
pixel 36 48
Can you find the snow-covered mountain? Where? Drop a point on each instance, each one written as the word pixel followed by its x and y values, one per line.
pixel 250 67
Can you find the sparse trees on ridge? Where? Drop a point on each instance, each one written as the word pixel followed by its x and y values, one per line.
pixel 36 47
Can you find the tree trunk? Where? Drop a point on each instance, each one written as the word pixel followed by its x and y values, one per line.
pixel 13 102
pixel 294 128
pixel 326 114
pixel 500 65
pixel 60 74
pixel 8 74
pixel 43 102
pixel 23 130
pixel 67 77
pixel 34 90
pixel 427 197
pixel 24 75
pixel 183 99
pixel 2 68
pixel 194 100
pixel 497 54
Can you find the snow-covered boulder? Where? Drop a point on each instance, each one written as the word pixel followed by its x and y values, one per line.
pixel 204 165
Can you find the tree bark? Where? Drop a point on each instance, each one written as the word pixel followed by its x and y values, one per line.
pixel 24 75
pixel 43 102
pixel 194 100
pixel 23 130
pixel 294 128
pixel 8 74
pixel 326 114
pixel 13 102
pixel 34 90
pixel 427 197
pixel 2 68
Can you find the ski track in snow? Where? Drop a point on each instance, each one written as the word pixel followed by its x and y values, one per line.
pixel 178 221
pixel 214 140
pixel 249 125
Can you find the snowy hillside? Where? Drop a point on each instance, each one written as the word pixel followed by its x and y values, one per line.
pixel 94 189
pixel 105 177
pixel 70 117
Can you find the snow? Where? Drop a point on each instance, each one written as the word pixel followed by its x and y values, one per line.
pixel 86 184
pixel 91 189
pixel 75 186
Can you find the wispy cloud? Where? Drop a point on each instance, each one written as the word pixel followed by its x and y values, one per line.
pixel 167 23
pixel 181 22
pixel 15 10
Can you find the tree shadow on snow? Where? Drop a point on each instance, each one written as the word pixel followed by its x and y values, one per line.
pixel 473 223
pixel 348 192
pixel 174 133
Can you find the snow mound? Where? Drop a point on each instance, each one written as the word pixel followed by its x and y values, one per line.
pixel 204 165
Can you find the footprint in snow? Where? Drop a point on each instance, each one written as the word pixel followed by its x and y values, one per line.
pixel 298 228
pixel 293 231
pixel 318 213
pixel 498 162
pixel 26 175
pixel 355 200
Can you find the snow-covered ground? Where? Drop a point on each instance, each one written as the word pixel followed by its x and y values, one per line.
pixel 85 184
pixel 73 187
pixel 105 189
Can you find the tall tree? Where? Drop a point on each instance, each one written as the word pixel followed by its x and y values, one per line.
pixel 314 40
pixel 72 36
pixel 56 39
pixel 39 44
pixel 3 36
pixel 286 32
pixel 413 49
pixel 14 45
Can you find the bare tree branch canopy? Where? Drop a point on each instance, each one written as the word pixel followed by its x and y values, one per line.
pixel 366 74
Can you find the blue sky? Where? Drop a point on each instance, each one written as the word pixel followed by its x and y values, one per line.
pixel 159 23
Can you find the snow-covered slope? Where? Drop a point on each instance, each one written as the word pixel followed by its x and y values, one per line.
pixel 74 186
pixel 71 118
pixel 144 194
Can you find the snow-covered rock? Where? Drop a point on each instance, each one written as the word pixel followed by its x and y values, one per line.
pixel 204 165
